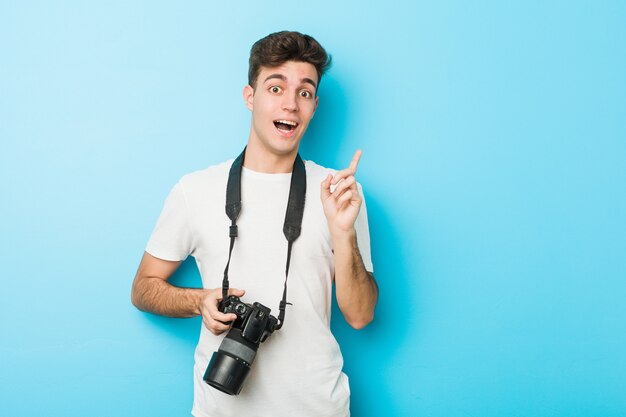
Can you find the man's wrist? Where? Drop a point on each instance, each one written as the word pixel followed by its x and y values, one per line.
pixel 198 297
pixel 340 236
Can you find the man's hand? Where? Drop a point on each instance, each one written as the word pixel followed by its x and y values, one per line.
pixel 342 205
pixel 214 320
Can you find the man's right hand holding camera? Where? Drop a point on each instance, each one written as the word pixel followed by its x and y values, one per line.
pixel 213 319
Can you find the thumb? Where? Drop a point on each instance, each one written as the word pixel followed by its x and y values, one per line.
pixel 325 187
pixel 237 292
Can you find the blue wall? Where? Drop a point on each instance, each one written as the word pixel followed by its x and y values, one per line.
pixel 494 166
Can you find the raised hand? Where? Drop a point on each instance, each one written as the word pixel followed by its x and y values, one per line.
pixel 341 199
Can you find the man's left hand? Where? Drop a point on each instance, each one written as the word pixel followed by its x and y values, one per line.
pixel 342 204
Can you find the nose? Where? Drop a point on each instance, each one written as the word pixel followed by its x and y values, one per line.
pixel 290 103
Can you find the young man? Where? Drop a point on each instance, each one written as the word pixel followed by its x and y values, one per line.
pixel 298 370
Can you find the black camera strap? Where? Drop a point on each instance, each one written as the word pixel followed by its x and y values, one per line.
pixel 291 227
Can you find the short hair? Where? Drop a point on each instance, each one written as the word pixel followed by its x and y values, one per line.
pixel 277 48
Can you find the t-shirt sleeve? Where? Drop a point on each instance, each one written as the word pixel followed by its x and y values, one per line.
pixel 172 239
pixel 363 234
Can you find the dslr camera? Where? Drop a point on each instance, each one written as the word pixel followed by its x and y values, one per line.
pixel 230 365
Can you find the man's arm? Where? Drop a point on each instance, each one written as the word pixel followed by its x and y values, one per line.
pixel 356 290
pixel 152 293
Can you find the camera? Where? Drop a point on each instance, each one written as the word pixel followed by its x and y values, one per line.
pixel 230 365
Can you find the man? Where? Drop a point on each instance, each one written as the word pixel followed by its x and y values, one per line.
pixel 298 370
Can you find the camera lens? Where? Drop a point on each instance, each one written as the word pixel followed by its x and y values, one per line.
pixel 231 364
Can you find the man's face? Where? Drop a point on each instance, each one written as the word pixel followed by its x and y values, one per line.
pixel 282 105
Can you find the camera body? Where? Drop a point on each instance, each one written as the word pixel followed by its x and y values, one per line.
pixel 230 365
pixel 254 320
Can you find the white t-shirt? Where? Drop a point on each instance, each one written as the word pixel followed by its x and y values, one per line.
pixel 298 369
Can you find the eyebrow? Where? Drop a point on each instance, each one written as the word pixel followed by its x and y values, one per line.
pixel 283 78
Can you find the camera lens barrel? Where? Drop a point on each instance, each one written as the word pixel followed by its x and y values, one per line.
pixel 231 364
pixel 226 373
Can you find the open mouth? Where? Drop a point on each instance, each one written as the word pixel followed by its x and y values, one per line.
pixel 285 126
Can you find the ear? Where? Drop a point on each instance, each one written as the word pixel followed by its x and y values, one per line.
pixel 248 96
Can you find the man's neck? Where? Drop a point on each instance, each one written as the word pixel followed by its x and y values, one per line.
pixel 260 159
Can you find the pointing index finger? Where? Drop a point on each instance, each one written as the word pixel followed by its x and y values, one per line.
pixel 350 171
pixel 355 161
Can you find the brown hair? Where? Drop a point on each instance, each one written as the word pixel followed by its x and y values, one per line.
pixel 277 48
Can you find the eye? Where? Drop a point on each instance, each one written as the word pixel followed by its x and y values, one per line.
pixel 305 94
pixel 275 89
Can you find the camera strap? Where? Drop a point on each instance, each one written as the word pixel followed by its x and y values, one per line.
pixel 291 227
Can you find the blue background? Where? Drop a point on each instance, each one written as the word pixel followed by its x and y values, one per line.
pixel 494 168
